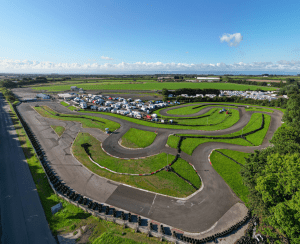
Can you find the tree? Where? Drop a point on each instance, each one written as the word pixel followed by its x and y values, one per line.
pixel 292 113
pixel 165 92
pixel 279 186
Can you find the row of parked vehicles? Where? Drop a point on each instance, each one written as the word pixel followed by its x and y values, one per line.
pixel 132 108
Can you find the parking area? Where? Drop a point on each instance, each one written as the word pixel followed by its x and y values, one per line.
pixel 118 105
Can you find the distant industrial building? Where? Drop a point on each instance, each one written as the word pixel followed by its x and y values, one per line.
pixel 208 79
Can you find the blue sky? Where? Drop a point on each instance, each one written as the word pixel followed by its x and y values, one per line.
pixel 116 36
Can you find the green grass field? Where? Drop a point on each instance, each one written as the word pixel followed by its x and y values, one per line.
pixel 64 104
pixel 98 123
pixel 190 144
pixel 163 182
pixel 259 109
pixel 135 138
pixel 230 171
pixel 202 122
pixel 59 130
pixel 152 86
pixel 72 108
pixel 190 109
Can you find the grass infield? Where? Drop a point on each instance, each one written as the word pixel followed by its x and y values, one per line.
pixel 215 118
pixel 190 144
pixel 135 138
pixel 230 171
pixel 98 123
pixel 190 109
pixel 59 130
pixel 163 182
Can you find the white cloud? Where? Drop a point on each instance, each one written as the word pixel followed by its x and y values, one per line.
pixel 232 39
pixel 106 58
pixel 27 66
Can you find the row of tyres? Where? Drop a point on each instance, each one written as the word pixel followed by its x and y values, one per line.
pixel 217 235
pixel 58 185
pixel 247 237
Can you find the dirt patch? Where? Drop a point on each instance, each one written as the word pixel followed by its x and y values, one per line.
pixel 277 81
pixel 85 235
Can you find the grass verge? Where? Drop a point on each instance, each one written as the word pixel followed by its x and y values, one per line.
pixel 135 138
pixel 163 182
pixel 59 130
pixel 72 108
pixel 86 121
pixel 230 171
pixel 64 104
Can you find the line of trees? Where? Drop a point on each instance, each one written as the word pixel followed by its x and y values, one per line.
pixel 273 178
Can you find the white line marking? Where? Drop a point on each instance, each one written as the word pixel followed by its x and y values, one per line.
pixel 152 204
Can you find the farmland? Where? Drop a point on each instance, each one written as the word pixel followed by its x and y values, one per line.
pixel 151 86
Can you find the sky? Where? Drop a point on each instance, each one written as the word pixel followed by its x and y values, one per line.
pixel 108 36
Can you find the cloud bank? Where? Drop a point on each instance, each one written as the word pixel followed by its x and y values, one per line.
pixel 106 58
pixel 26 66
pixel 232 39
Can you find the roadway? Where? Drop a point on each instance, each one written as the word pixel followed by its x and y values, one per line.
pixel 22 218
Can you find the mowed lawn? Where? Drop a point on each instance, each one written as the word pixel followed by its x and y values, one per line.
pixel 190 144
pixel 230 171
pixel 135 138
pixel 153 86
pixel 193 109
pixel 86 121
pixel 163 182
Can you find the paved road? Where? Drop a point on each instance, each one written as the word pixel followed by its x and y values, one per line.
pixel 22 218
pixel 195 214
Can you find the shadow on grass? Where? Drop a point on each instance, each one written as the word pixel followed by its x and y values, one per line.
pixel 86 148
pixel 80 216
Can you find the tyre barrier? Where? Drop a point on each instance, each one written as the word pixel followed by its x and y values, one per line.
pixel 115 213
pixel 106 210
pixel 90 204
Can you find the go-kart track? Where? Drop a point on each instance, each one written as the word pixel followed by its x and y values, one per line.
pixel 213 208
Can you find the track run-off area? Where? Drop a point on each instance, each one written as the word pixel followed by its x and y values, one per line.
pixel 213 207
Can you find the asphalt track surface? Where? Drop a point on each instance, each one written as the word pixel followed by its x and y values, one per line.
pixel 195 214
pixel 22 218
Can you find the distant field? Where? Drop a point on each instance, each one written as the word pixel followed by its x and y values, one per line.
pixel 265 78
pixel 152 86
